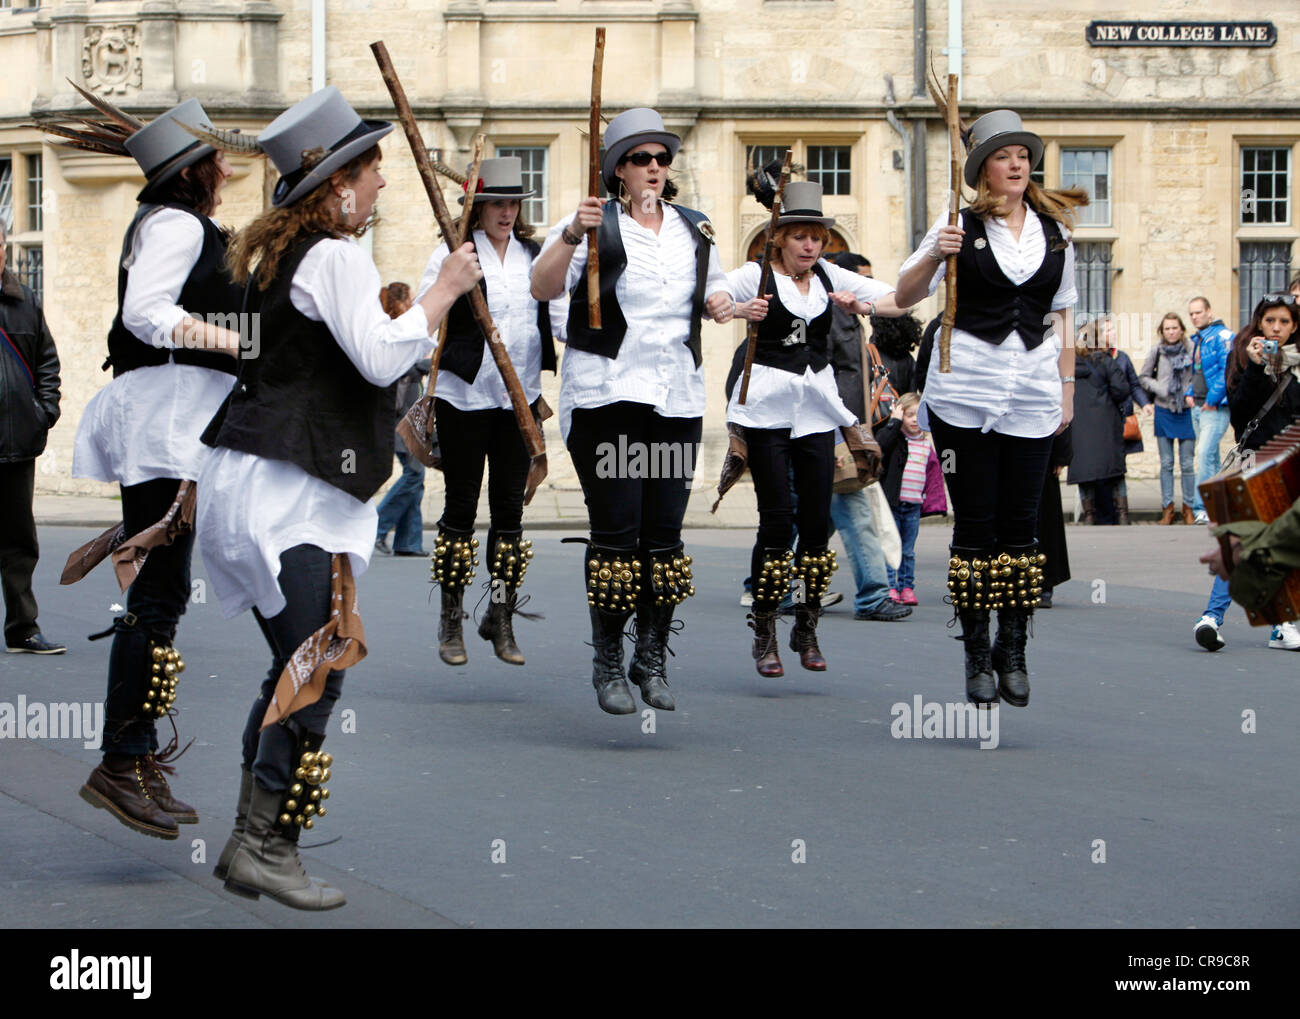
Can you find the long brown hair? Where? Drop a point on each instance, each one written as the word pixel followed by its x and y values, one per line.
pixel 1238 359
pixel 195 186
pixel 1054 203
pixel 1160 329
pixel 522 229
pixel 275 232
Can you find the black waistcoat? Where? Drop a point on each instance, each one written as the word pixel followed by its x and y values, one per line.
pixel 208 291
pixel 786 341
pixel 613 260
pixel 989 305
pixel 463 353
pixel 302 400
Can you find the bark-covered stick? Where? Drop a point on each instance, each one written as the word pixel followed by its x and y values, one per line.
pixel 593 181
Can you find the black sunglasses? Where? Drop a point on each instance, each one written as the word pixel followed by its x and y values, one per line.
pixel 664 158
pixel 1278 299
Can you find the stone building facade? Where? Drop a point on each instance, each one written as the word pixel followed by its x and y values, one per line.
pixel 1189 151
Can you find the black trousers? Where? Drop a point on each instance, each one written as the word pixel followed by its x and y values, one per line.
pixel 469 439
pixel 305 582
pixel 157 598
pixel 996 483
pixel 776 461
pixel 636 469
pixel 18 548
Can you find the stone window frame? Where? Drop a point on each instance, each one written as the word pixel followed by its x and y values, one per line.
pixel 543 198
pixel 1250 199
pixel 26 247
pixel 1264 252
pixel 1088 214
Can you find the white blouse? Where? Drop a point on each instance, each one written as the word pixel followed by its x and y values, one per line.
pixel 806 403
pixel 252 508
pixel 145 424
pixel 654 365
pixel 514 313
pixel 999 387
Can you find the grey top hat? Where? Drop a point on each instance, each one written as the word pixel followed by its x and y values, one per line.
pixel 163 148
pixel 323 120
pixel 628 130
pixel 802 203
pixel 990 133
pixel 499 179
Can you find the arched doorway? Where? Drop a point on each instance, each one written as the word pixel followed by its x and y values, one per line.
pixel 836 245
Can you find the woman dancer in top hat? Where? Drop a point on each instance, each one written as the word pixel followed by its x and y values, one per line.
pixel 1010 390
pixel 472 404
pixel 791 415
pixel 302 444
pixel 172 367
pixel 638 382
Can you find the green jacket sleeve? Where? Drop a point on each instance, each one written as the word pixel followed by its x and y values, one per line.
pixel 1268 553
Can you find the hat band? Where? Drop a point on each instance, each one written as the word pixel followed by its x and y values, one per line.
pixel 289 181
pixel 501 189
pixel 803 212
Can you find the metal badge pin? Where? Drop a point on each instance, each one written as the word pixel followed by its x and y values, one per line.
pixel 981 243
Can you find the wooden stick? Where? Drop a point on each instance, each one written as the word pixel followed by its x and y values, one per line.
pixel 478 303
pixel 471 187
pixel 954 201
pixel 593 182
pixel 765 278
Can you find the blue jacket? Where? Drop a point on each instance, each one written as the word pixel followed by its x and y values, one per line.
pixel 1214 343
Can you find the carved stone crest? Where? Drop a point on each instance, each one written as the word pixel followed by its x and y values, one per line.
pixel 110 58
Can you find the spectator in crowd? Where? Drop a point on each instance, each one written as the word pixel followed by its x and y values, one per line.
pixel 1137 398
pixel 399 512
pixel 1100 390
pixel 913 484
pixel 1210 345
pixel 1167 374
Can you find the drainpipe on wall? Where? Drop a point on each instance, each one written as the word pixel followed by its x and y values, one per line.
pixel 919 217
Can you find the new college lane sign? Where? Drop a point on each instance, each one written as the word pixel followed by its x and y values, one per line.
pixel 1181 33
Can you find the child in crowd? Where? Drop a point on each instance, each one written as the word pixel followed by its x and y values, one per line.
pixel 913 485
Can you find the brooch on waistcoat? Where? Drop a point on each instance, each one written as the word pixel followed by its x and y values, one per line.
pixel 706 228
pixel 980 244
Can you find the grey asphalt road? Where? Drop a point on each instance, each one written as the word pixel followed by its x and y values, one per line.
pixel 1126 795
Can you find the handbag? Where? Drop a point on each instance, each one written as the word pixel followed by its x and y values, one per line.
pixel 883 523
pixel 1131 430
pixel 878 398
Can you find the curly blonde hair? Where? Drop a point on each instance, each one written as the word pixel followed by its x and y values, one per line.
pixel 1054 203
pixel 275 232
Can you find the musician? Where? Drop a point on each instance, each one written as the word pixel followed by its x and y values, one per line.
pixel 792 414
pixel 1010 390
pixel 172 367
pixel 473 405
pixel 1262 557
pixel 302 444
pixel 635 383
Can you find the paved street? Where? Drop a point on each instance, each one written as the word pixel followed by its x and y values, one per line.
pixel 1133 737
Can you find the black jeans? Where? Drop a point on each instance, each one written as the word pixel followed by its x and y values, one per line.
pixel 636 469
pixel 778 462
pixel 305 583
pixel 18 549
pixel 157 598
pixel 467 439
pixel 996 483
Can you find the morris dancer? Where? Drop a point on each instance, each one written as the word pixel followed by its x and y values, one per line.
pixel 300 447
pixel 472 405
pixel 172 367
pixel 1010 390
pixel 792 414
pixel 638 379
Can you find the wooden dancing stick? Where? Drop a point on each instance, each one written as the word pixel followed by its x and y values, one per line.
pixel 593 181
pixel 478 303
pixel 462 231
pixel 765 278
pixel 954 200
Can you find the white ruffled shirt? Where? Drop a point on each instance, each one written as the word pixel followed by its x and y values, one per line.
pixel 654 365
pixel 809 402
pixel 999 387
pixel 145 424
pixel 252 508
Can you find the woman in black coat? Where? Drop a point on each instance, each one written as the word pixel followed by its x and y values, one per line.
pixel 1100 390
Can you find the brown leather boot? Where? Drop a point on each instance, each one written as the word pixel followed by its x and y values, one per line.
pixel 180 811
pixel 1167 517
pixel 767 658
pixel 451 635
pixel 1088 515
pixel 803 637
pixel 119 785
pixel 1188 516
pixel 1121 510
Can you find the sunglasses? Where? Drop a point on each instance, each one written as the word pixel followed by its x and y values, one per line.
pixel 664 158
pixel 1278 299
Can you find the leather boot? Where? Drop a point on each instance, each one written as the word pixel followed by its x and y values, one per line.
pixel 266 861
pixel 612 692
pixel 1167 517
pixel 1008 656
pixel 803 636
pixel 120 785
pixel 649 668
pixel 1121 510
pixel 237 833
pixel 767 658
pixel 1088 514
pixel 452 569
pixel 180 811
pixel 508 565
pixel 981 687
pixel 1188 516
